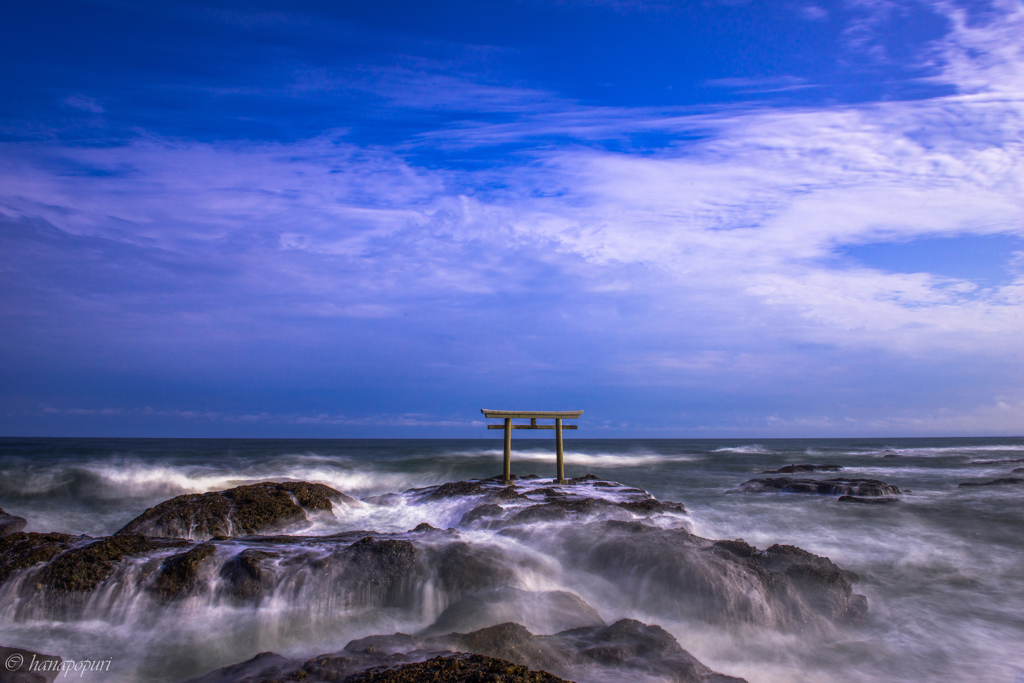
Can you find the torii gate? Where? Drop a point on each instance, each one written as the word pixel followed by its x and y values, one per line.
pixel 556 415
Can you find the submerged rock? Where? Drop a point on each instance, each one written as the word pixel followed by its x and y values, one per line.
pixel 831 487
pixel 241 511
pixel 796 469
pixel 541 611
pixel 11 524
pixel 1001 481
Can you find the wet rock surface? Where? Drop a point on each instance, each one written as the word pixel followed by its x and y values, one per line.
pixel 241 511
pixel 829 487
pixel 11 524
pixel 806 467
pixel 21 550
pixel 539 611
pixel 505 652
pixel 179 574
pixel 81 569
pixel 461 668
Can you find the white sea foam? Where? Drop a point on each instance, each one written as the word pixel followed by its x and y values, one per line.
pixel 752 448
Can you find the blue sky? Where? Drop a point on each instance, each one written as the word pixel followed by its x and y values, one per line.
pixel 721 219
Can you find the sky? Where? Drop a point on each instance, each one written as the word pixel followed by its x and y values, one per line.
pixel 731 218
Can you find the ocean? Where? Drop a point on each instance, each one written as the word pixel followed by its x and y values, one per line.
pixel 942 570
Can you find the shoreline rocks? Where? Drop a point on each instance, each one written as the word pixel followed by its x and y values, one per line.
pixel 1001 481
pixel 506 652
pixel 828 487
pixel 241 511
pixel 11 524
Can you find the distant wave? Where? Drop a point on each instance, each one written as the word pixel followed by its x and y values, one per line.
pixel 590 459
pixel 946 450
pixel 752 448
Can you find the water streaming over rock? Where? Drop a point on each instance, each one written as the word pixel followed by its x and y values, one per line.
pixel 665 534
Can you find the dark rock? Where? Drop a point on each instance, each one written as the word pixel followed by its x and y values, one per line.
pixel 832 487
pixel 11 524
pixel 547 492
pixel 481 512
pixel 241 511
pixel 652 506
pixel 822 584
pixel 560 508
pixel 80 570
pixel 383 571
pixel 179 574
pixel 623 651
pixel 605 484
pixel 739 548
pixel 457 488
pixel 540 611
pixel 796 469
pixel 509 493
pixel 422 527
pixel 1001 481
pixel 462 568
pixel 25 666
pixel 878 500
pixel 459 668
pixel 250 574
pixel 672 572
pixel 1018 470
pixel 585 477
pixel 20 550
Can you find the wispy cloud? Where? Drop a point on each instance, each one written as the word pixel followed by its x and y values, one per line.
pixel 708 254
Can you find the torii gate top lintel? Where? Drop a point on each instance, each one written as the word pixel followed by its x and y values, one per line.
pixel 533 416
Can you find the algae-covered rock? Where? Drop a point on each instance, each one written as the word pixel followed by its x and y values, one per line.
pixel 458 668
pixel 81 569
pixel 241 511
pixel 179 574
pixel 20 550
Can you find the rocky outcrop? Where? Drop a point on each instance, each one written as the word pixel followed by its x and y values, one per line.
pixel 179 575
pixel 83 568
pixel 21 550
pixel 241 511
pixel 11 524
pixel 674 573
pixel 806 467
pixel 505 652
pixel 460 668
pixel 829 487
pixel 1001 481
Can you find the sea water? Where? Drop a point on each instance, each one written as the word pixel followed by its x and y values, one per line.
pixel 943 570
